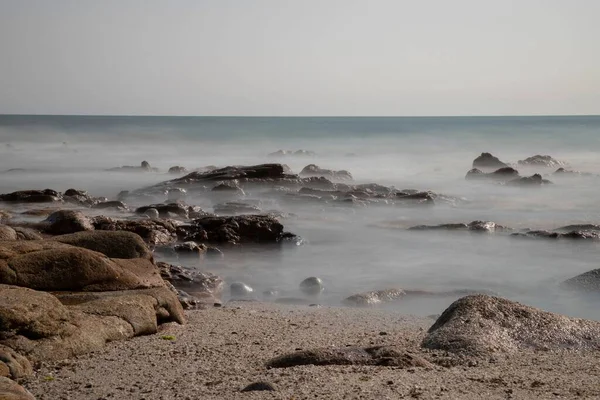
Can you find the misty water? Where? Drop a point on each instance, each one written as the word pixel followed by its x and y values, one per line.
pixel 352 248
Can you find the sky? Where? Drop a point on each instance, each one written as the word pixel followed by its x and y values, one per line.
pixel 302 57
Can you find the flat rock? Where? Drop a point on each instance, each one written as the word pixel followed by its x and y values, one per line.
pixel 482 324
pixel 114 244
pixel 32 196
pixel 377 355
pixel 315 170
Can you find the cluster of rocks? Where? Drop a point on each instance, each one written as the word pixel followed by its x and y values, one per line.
pixel 301 153
pixel 144 167
pixel 70 196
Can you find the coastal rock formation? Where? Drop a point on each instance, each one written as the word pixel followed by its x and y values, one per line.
pixel 119 244
pixel 152 231
pixel 482 324
pixel 67 221
pixel 314 170
pixel 487 161
pixel 477 226
pixel 11 390
pixel 541 161
pixel 178 170
pixel 32 196
pixel 502 174
pixel 577 234
pixel 377 355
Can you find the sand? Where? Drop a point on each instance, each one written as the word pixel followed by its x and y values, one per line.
pixel 222 350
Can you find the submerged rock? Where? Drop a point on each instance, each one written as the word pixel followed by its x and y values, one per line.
pixel 144 167
pixel 178 170
pixel 488 161
pixel 541 161
pixel 477 226
pixel 533 180
pixel 375 297
pixel 583 234
pixel 239 290
pixel 314 170
pixel 482 324
pixel 377 355
pixel 502 174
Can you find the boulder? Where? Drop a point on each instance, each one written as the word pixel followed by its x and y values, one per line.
pixel 7 233
pixel 112 244
pixel 152 231
pixel 314 170
pixel 11 390
pixel 66 268
pixel 178 170
pixel 541 161
pixel 32 196
pixel 487 161
pixel 236 229
pixel 13 365
pixel 482 324
pixel 67 221
pixel 376 355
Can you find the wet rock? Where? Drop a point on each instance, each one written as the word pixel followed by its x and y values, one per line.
pixel 541 161
pixel 190 248
pixel 483 324
pixel 152 213
pixel 419 198
pixel 580 227
pixel 144 167
pixel 377 355
pixel 375 297
pixel 586 235
pixel 32 196
pixel 11 390
pixel 178 170
pixel 193 288
pixel 231 187
pixel 587 282
pixel 239 290
pixel 312 286
pixel 81 197
pixel 442 227
pixel 55 266
pixel 116 205
pixel 7 233
pixel 259 386
pixel 233 208
pixel 67 221
pixel 110 243
pixel 176 194
pixel 13 365
pixel 502 174
pixel 152 231
pixel 487 161
pixel 166 210
pixel 486 226
pixel 314 170
pixel 533 180
pixel 236 229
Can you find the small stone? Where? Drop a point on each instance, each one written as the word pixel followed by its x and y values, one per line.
pixel 382 333
pixel 240 289
pixel 256 386
pixel 312 286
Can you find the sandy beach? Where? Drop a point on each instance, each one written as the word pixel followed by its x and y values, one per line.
pixel 222 350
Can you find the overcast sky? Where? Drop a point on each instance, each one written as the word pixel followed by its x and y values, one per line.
pixel 303 57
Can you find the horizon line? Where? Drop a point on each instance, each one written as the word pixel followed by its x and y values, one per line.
pixel 296 116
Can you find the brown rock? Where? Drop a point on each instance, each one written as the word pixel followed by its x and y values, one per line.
pixel 67 221
pixel 7 233
pixel 11 390
pixel 152 231
pixel 13 365
pixel 110 243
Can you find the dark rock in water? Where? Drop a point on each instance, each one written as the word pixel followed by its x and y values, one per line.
pixel 483 324
pixel 420 198
pixel 81 197
pixel 112 244
pixel 475 173
pixel 533 180
pixel 579 227
pixel 32 196
pixel 152 213
pixel 259 386
pixel 312 286
pixel 144 167
pixel 502 174
pixel 176 194
pixel 178 170
pixel 589 235
pixel 486 226
pixel 154 232
pixel 117 205
pixel 235 229
pixel 232 208
pixel 189 247
pixel 191 280
pixel 488 161
pixel 230 187
pixel 375 297
pixel 587 282
pixel 565 172
pixel 240 290
pixel 442 227
pixel 377 355
pixel 166 210
pixel 229 173
pixel 314 170
pixel 67 221
pixel 11 390
pixel 541 161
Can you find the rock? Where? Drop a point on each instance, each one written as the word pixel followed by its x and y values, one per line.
pixel 419 198
pixel 502 174
pixel 482 324
pixel 533 180
pixel 66 268
pixel 26 233
pixel 110 243
pixel 580 227
pixel 442 227
pixel 7 233
pixel 32 196
pixel 192 280
pixel 178 170
pixel 587 282
pixel 13 365
pixel 303 153
pixel 4 216
pixel 312 286
pixel 314 170
pixel 79 197
pixel 375 297
pixel 486 226
pixel 233 208
pixel 117 205
pixel 152 213
pixel 377 355
pixel 488 161
pixel 11 390
pixel 67 221
pixel 588 235
pixel 176 194
pixel 259 386
pixel 166 210
pixel 541 161
pixel 236 229
pixel 240 290
pixel 152 231
pixel 231 186
pixel 475 174
pixel 190 247
pixel 144 167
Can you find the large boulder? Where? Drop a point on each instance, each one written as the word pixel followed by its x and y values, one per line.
pixel 32 196
pixel 487 161
pixel 541 161
pixel 237 229
pixel 11 390
pixel 67 221
pixel 114 244
pixel 482 324
pixel 66 268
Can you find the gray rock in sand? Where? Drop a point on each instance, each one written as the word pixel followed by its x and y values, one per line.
pixel 482 324
pixel 240 290
pixel 312 286
pixel 259 386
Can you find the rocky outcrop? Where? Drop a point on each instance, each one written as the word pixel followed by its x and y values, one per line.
pixel 541 234
pixel 377 355
pixel 483 324
pixel 115 244
pixel 152 231
pixel 32 196
pixel 502 174
pixel 314 170
pixel 487 161
pixel 541 161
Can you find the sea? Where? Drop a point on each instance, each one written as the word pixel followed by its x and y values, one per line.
pixel 354 248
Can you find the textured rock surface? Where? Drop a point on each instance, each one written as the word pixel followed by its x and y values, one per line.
pixel 152 231
pixel 483 324
pixel 488 161
pixel 10 390
pixel 375 297
pixel 67 221
pixel 588 281
pixel 13 365
pixel 110 243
